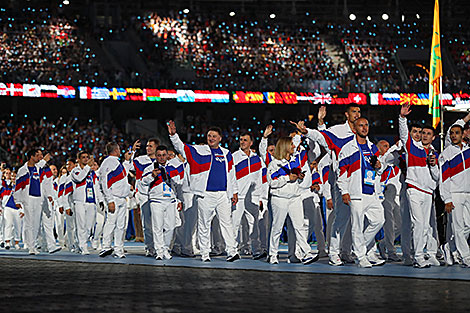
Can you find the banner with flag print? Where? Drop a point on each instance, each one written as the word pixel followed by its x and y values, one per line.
pixel 435 70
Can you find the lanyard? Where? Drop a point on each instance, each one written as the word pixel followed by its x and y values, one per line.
pixel 363 159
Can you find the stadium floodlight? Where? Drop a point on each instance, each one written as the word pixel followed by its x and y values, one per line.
pixel 66 2
pixel 403 18
pixel 232 13
pixel 369 18
pixel 272 15
pixel 385 16
pixel 352 17
pixel 417 16
pixel 186 11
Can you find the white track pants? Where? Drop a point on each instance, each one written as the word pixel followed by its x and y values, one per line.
pixel 392 225
pixel 340 240
pixel 190 223
pixel 420 204
pixel 32 220
pixel 99 224
pixel 84 218
pixel 405 238
pixel 12 221
pixel 461 222
pixel 212 203
pixel 282 207
pixel 363 239
pixel 47 223
pixel 59 220
pixel 163 223
pixel 146 217
pixel 115 226
pixel 71 230
pixel 250 210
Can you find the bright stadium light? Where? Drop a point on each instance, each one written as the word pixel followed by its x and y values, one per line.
pixel 402 18
pixel 186 11
pixel 66 2
pixel 369 18
pixel 232 13
pixel 352 17
pixel 272 15
pixel 385 16
pixel 417 16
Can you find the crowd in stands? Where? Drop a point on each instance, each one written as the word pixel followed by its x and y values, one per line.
pixel 62 138
pixel 38 47
pixel 237 53
pixel 244 54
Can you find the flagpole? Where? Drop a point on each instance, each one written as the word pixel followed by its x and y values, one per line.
pixel 441 109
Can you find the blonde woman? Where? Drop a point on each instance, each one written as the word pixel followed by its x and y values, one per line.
pixel 286 174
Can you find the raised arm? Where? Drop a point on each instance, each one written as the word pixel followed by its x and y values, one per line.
pixel 402 123
pixel 175 139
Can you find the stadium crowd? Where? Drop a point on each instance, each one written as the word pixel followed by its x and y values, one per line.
pixel 324 179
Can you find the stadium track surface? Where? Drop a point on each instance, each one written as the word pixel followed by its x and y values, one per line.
pixel 54 286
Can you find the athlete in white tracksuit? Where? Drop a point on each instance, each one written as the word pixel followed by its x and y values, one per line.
pixel 333 139
pixel 359 183
pixel 212 179
pixel 116 189
pixel 12 216
pixel 28 196
pixel 58 216
pixel 286 177
pixel 66 206
pixel 454 162
pixel 85 199
pixel 248 171
pixel 161 180
pixel 139 164
pixel 48 209
pixel 422 176
pixel 391 187
pixel 189 241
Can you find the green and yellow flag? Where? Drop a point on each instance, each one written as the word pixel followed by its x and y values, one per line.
pixel 435 73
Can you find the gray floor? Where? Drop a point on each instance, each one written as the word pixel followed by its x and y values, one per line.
pixel 31 285
pixel 135 256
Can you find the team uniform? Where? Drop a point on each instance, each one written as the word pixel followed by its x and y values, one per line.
pixel 85 185
pixel 454 162
pixel 28 195
pixel 212 179
pixel 333 139
pixel 358 178
pixel 421 181
pixel 115 189
pixel 139 165
pixel 286 201
pixel 163 203
pixel 11 214
pixel 248 171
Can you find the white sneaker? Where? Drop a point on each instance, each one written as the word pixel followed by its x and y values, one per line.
pixel 33 251
pixel 466 262
pixel 433 261
pixel 7 246
pixel 167 255
pixel 421 263
pixel 205 258
pixel 85 251
pixel 374 259
pixel 159 257
pixel 456 257
pixel 448 257
pixel 17 247
pixel 364 263
pixel 335 260
pixel 273 259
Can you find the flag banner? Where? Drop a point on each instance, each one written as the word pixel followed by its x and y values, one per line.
pixel 435 70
